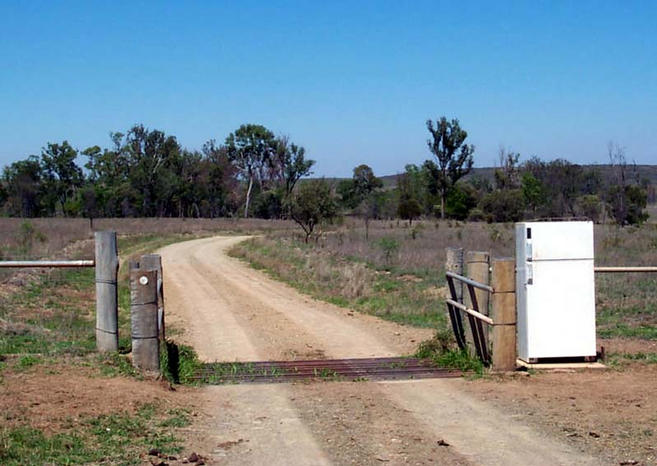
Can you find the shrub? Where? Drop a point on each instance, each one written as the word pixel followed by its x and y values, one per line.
pixel 27 236
pixel 589 206
pixel 505 205
pixel 389 246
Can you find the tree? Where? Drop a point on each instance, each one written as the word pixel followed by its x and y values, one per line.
pixel 353 192
pixel 533 192
pixel 61 176
pixel 347 194
pixel 507 176
pixel 154 164
pixel 561 183
pixel 626 204
pixel 313 203
pixel 626 201
pixel 108 172
pixel 409 206
pixel 22 182
pixel 409 209
pixel 461 199
pixel 454 157
pixel 222 185
pixel 363 187
pixel 289 164
pixel 250 149
pixel 364 181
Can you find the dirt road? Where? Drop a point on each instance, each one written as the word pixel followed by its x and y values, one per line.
pixel 228 312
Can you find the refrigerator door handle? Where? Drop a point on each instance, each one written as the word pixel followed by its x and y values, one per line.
pixel 530 274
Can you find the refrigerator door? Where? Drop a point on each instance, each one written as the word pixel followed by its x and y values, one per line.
pixel 560 309
pixel 558 240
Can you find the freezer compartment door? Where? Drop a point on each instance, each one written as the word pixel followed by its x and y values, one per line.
pixel 557 240
pixel 559 310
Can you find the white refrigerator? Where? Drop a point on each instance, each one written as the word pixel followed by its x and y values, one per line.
pixel 555 290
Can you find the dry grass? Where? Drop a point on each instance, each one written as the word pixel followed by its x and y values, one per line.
pixel 60 232
pixel 398 272
pixel 421 246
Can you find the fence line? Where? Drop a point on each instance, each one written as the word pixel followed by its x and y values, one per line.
pixel 623 269
pixel 47 263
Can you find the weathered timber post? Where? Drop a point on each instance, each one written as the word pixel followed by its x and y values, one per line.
pixel 504 314
pixel 107 308
pixel 477 264
pixel 154 262
pixel 143 319
pixel 454 263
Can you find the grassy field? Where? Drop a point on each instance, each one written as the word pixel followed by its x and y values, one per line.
pixel 397 273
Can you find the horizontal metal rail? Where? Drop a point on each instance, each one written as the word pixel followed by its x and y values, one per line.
pixel 623 269
pixel 30 264
pixel 472 312
pixel 467 280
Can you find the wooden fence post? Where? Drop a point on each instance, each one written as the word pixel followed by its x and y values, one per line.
pixel 504 314
pixel 154 262
pixel 454 263
pixel 477 264
pixel 107 308
pixel 143 319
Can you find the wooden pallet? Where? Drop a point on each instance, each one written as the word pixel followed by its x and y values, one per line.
pixel 560 365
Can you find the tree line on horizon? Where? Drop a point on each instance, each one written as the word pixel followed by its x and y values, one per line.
pixel 147 173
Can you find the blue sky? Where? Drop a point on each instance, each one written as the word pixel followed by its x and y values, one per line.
pixel 354 82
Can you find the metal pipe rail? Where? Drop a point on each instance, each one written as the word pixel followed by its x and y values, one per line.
pixel 472 312
pixel 470 282
pixel 623 269
pixel 31 264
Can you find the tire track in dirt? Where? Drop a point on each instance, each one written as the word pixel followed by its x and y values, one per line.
pixel 231 312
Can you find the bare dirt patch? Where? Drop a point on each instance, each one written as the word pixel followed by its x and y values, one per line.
pixel 611 414
pixel 59 398
pixel 56 398
pixel 627 345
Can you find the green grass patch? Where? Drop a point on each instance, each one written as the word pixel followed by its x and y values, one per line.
pixel 643 332
pixel 26 362
pixel 442 350
pixel 179 363
pixel 116 364
pixel 50 316
pixel 109 439
pixel 622 359
pixel 628 322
